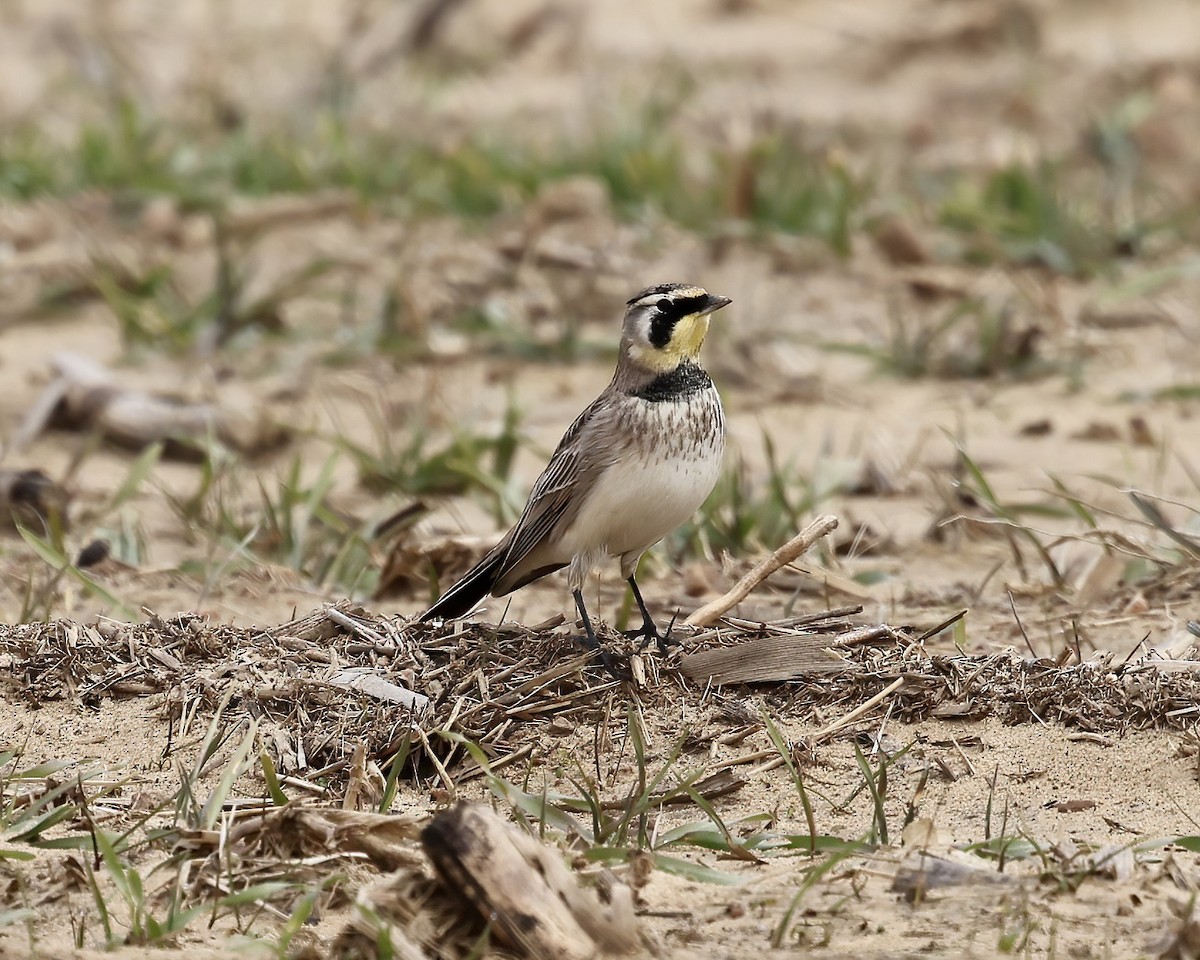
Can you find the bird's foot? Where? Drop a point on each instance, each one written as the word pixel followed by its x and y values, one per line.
pixel 590 642
pixel 616 670
pixel 649 631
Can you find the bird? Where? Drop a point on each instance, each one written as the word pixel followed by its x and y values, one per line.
pixel 634 465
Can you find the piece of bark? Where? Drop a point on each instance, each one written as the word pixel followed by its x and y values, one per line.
pixel 86 396
pixel 923 872
pixel 523 887
pixel 387 841
pixel 763 660
pixel 377 687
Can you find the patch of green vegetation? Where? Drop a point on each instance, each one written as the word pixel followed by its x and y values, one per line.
pixel 153 311
pixel 1172 551
pixel 975 491
pixel 139 900
pixel 1070 215
pixel 1024 214
pixel 496 334
pixel 292 522
pixel 114 524
pixel 418 467
pixel 784 189
pixel 969 339
pixel 612 833
pixel 1073 214
pixel 131 152
pixel 238 517
pixel 1177 392
pixel 42 586
pixel 647 167
pixel 36 799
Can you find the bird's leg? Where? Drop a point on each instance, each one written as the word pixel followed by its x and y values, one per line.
pixel 591 641
pixel 648 630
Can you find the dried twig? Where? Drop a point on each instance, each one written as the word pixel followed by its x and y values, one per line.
pixel 356 627
pixel 858 711
pixel 819 528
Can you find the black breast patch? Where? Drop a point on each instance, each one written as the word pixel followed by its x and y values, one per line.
pixel 678 384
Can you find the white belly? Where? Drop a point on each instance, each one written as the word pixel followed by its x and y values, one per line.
pixel 637 502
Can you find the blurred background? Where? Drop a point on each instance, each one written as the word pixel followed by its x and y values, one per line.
pixel 296 297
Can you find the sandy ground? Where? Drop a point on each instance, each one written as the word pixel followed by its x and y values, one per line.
pixel 892 87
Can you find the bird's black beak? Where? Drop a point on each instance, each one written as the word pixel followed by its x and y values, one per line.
pixel 713 303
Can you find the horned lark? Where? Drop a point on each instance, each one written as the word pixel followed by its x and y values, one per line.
pixel 633 466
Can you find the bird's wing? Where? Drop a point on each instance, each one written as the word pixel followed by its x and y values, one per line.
pixel 560 491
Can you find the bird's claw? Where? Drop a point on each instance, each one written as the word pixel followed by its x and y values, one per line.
pixel 649 631
pixel 615 670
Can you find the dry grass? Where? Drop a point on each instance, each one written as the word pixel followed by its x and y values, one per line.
pixel 282 721
pixel 499 687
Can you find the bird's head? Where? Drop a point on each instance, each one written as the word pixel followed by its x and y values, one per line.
pixel 665 325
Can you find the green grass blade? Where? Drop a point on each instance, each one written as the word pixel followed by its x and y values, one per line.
pixel 233 769
pixel 278 797
pixel 696 872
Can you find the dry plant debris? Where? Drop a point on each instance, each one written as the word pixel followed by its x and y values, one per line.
pixel 921 872
pixel 525 889
pixel 85 396
pixel 435 871
pixel 294 846
pixel 388 684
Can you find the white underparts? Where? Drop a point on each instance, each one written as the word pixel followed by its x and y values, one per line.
pixel 642 497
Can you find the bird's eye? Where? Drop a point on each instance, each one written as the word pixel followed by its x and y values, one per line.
pixel 664 304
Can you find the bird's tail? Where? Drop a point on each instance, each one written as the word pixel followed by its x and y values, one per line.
pixel 462 597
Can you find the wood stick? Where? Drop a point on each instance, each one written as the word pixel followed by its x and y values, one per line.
pixel 858 711
pixel 356 627
pixel 819 528
pixel 525 890
pixel 376 686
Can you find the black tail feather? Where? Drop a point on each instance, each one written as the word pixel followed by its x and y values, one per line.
pixel 464 595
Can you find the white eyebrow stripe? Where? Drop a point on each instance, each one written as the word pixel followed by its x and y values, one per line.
pixel 685 293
